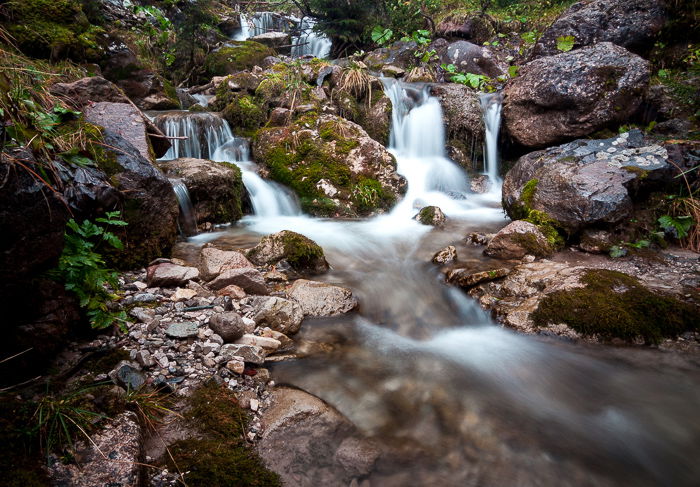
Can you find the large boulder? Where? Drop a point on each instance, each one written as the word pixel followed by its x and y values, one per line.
pixel 216 188
pixel 631 24
pixel 170 275
pixel 517 239
pixel 321 299
pixel 237 56
pixel 213 262
pixel 400 54
pixel 332 164
pixel 574 94
pixel 279 41
pixel 124 119
pixel 279 314
pixel 585 182
pixel 247 278
pixel 470 58
pixel 302 253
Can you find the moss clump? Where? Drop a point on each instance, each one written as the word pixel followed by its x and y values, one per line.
pixel 638 171
pixel 615 305
pixel 300 251
pixel 243 55
pixel 368 195
pixel 523 211
pixel 245 114
pixel 528 192
pixel 54 29
pixel 221 458
pixel 547 226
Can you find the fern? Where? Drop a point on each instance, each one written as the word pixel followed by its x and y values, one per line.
pixel 677 226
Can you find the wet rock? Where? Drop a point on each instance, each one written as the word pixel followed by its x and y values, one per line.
pixel 470 58
pixel 461 113
pixel 302 253
pixel 478 238
pixel 266 343
pixel 281 315
pixel 128 375
pixel 518 239
pixel 585 182
pixel 228 326
pixel 431 215
pixel 480 184
pixel 88 90
pixel 399 54
pixel 633 25
pixel 182 330
pixel 286 343
pixel 123 118
pixel 249 279
pixel 213 262
pixel 467 278
pixel 170 275
pixel 249 353
pixel 215 188
pixel 393 71
pixel 448 254
pixel 321 299
pixel 280 41
pixel 574 94
pixel 112 457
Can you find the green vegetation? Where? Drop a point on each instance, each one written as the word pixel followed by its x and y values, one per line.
pixel 565 43
pixel 477 81
pixel 615 305
pixel 221 458
pixel 241 56
pixel 82 268
pixel 522 210
pixel 245 114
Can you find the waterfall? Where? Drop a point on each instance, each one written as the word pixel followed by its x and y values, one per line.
pixel 245 30
pixel 208 136
pixel 309 42
pixel 491 109
pixel 195 134
pixel 269 199
pixel 187 222
pixel 418 142
pixel 202 99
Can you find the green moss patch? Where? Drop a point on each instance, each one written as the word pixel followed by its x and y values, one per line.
pixel 615 305
pixel 243 55
pixel 221 458
pixel 245 114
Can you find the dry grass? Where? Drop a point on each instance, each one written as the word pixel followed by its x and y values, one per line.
pixel 356 81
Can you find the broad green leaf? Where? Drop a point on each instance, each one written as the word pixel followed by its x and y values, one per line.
pixel 565 43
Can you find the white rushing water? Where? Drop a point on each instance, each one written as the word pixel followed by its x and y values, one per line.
pixel 309 42
pixel 187 222
pixel 244 32
pixel 491 109
pixel 207 135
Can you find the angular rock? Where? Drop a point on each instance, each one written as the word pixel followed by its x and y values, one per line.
pixel 448 254
pixel 280 41
pixel 467 278
pixel 248 278
pixel 232 291
pixel 400 54
pixel 249 353
pixel 632 24
pixel 286 343
pixel 170 275
pixel 266 343
pixel 470 58
pixel 112 457
pixel 215 188
pixel 281 315
pixel 228 326
pixel 128 375
pixel 84 91
pixel 431 215
pixel 213 262
pixel 182 294
pixel 143 357
pixel 321 299
pixel 585 182
pixel 574 94
pixel 182 330
pixel 517 239
pixel 302 253
pixel 480 184
pixel 237 366
pixel 461 113
pixel 123 118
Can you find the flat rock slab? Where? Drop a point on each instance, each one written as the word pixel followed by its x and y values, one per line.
pixel 321 299
pixel 249 353
pixel 124 119
pixel 182 330
pixel 170 275
pixel 213 262
pixel 249 279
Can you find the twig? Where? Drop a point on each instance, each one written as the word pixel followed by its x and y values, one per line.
pixel 15 355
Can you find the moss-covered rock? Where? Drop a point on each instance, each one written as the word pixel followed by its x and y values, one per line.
pixel 240 56
pixel 332 164
pixel 431 215
pixel 518 239
pixel 615 305
pixel 302 253
pixel 245 114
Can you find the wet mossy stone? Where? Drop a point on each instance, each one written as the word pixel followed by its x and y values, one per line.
pixel 245 114
pixel 615 305
pixel 302 253
pixel 240 56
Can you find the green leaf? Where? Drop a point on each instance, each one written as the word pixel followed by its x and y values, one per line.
pixel 380 35
pixel 565 43
pixel 678 227
pixel 513 71
pixel 529 37
pixel 616 251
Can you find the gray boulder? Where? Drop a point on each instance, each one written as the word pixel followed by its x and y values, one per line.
pixel 279 314
pixel 585 182
pixel 229 326
pixel 632 24
pixel 302 253
pixel 514 241
pixel 170 275
pixel 248 278
pixel 213 262
pixel 470 58
pixel 431 215
pixel 321 299
pixel 461 113
pixel 574 94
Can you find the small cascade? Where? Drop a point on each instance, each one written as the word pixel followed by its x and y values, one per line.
pixel 202 99
pixel 491 109
pixel 187 222
pixel 268 22
pixel 194 134
pixel 309 42
pixel 269 199
pixel 244 33
pixel 418 143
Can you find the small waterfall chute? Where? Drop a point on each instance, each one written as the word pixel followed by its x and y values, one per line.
pixel 491 110
pixel 194 135
pixel 310 42
pixel 187 221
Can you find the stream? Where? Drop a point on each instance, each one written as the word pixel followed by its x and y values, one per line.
pixel 423 365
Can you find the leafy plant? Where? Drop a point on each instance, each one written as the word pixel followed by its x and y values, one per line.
pixel 529 37
pixel 83 270
pixel 381 36
pixel 513 71
pixel 476 81
pixel 678 226
pixel 565 43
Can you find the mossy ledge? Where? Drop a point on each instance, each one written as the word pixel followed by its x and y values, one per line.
pixel 616 305
pixel 221 456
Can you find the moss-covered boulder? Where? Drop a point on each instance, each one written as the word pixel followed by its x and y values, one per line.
pixel 215 188
pixel 245 113
pixel 54 29
pixel 239 56
pixel 335 168
pixel 302 253
pixel 431 215
pixel 518 239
